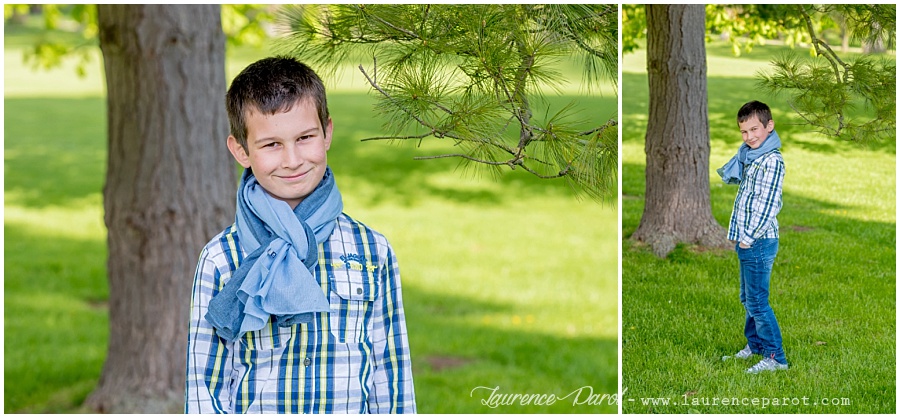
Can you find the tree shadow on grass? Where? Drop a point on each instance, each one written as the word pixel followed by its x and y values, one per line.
pixel 794 218
pixel 55 319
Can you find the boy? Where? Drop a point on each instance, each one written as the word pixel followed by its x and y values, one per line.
pixel 296 307
pixel 759 169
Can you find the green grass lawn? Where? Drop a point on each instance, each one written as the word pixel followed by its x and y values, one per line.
pixel 508 283
pixel 833 283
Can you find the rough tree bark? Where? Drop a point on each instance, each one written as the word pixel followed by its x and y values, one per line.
pixel 169 188
pixel 677 204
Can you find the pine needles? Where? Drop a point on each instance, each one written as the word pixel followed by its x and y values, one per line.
pixel 470 75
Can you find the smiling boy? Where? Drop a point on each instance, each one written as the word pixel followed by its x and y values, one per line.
pixel 759 169
pixel 296 307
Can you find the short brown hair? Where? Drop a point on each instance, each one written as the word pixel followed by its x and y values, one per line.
pixel 272 85
pixel 749 109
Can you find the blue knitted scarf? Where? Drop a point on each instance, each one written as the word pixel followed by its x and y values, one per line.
pixel 276 277
pixel 733 171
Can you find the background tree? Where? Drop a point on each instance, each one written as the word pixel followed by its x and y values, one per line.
pixel 169 188
pixel 48 52
pixel 821 89
pixel 677 206
pixel 471 76
pixel 169 183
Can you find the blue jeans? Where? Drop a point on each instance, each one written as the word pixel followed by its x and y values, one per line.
pixel 761 328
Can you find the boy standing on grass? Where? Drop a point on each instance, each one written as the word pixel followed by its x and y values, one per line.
pixel 759 169
pixel 296 307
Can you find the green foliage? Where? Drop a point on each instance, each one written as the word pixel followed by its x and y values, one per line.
pixel 748 25
pixel 247 24
pixel 869 85
pixel 474 76
pixel 822 89
pixel 634 26
pixel 869 24
pixel 13 10
pixel 243 24
pixel 48 51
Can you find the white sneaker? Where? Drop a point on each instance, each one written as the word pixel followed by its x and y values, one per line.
pixel 767 364
pixel 745 353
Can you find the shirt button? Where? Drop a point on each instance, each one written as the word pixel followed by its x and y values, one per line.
pixel 358 290
pixel 307 362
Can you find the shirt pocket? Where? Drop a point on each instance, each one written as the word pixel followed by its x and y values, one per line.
pixel 353 293
pixel 270 337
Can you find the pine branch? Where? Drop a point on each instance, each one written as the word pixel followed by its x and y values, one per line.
pixel 517 112
pixel 406 32
pixel 600 129
pixel 525 134
pixel 562 172
pixel 512 163
pixel 823 128
pixel 468 74
pixel 389 137
pixel 575 37
pixel 465 156
pixel 434 130
pixel 830 56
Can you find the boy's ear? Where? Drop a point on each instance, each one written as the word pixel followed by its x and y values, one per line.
pixel 238 151
pixel 329 128
pixel 771 126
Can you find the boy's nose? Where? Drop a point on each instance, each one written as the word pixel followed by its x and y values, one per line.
pixel 291 158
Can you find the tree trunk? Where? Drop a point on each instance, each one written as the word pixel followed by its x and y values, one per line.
pixel 169 188
pixel 845 33
pixel 677 204
pixel 875 46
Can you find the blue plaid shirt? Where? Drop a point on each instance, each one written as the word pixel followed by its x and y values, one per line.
pixel 758 200
pixel 354 359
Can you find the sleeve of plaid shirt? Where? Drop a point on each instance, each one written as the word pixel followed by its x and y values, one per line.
pixel 766 198
pixel 393 385
pixel 205 388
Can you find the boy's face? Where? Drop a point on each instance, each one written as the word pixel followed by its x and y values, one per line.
pixel 754 132
pixel 286 151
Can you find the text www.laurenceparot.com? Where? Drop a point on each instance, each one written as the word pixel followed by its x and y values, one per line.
pixel 759 402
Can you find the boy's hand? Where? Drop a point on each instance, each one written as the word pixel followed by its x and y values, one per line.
pixel 744 246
